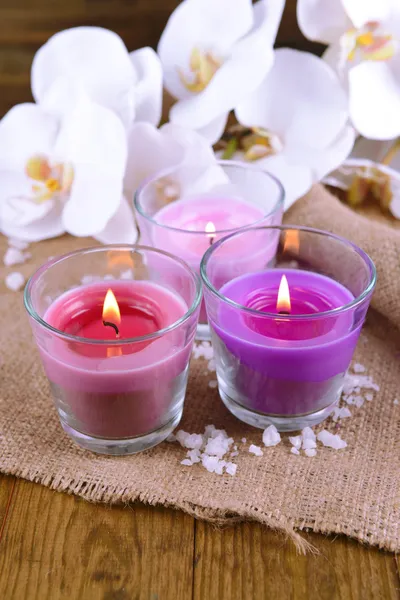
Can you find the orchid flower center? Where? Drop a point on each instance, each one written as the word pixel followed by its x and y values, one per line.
pixel 254 142
pixel 203 66
pixel 49 179
pixel 370 42
pixel 167 189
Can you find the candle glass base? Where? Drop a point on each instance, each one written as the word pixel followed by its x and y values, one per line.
pixel 286 368
pixel 122 447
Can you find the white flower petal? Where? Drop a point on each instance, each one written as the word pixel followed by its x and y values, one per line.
pixel 196 148
pixel 209 25
pixel 94 58
pixel 149 86
pixel 300 99
pixel 213 131
pixel 321 20
pixel 121 228
pixel 150 151
pixel 323 162
pixel 22 218
pixel 296 179
pixel 25 131
pixel 366 11
pixel 375 99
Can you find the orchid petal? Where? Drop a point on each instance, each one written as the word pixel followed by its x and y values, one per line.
pixel 196 148
pixel 213 131
pixel 375 99
pixel 300 99
pixel 250 60
pixel 150 151
pixel 296 180
pixel 366 11
pixel 322 21
pixel 121 228
pixel 21 217
pixel 149 86
pixel 209 25
pixel 324 162
pixel 93 140
pixel 26 131
pixel 96 58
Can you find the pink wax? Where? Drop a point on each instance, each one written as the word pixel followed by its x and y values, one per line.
pixel 180 228
pixel 120 389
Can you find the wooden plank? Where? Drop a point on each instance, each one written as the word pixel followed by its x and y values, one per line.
pixel 249 561
pixel 7 485
pixel 57 546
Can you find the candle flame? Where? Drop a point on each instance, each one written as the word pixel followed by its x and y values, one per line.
pixel 283 303
pixel 111 309
pixel 292 241
pixel 210 229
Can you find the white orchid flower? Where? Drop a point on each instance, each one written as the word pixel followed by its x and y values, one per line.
pixel 364 48
pixel 214 52
pixel 299 113
pixel 62 175
pixel 96 61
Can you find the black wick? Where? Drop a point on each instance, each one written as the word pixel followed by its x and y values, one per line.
pixel 211 240
pixel 108 324
pixel 284 312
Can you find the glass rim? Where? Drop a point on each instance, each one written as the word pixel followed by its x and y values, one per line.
pixel 230 163
pixel 327 313
pixel 92 249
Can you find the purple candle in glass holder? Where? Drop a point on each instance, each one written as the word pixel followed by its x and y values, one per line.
pixel 284 337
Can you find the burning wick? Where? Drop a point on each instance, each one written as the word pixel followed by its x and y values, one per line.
pixel 210 231
pixel 283 305
pixel 111 313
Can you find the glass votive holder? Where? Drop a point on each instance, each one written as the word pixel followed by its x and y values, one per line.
pixel 117 366
pixel 187 209
pixel 284 332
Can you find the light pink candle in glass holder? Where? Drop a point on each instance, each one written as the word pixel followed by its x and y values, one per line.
pixel 187 209
pixel 116 349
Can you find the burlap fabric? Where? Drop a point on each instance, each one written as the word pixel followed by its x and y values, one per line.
pixel 355 491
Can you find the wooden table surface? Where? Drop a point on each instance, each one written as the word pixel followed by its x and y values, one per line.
pixel 55 546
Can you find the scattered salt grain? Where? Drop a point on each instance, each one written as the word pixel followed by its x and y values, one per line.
pixel 211 365
pixel 357 368
pixel 369 397
pixel 128 274
pixel 209 430
pixel 341 413
pixel 234 453
pixel 88 279
pixel 186 462
pixel 108 277
pixel 294 450
pixel 213 464
pixel 331 440
pixel 310 452
pixel 244 440
pixel 19 244
pixel 13 256
pixel 218 446
pixel 309 444
pixel 308 434
pixel 359 401
pixel 255 450
pixel 296 442
pixel 213 384
pixel 14 281
pixel 271 436
pixel 231 468
pixel 189 440
pixel 203 350
pixel 395 401
pixel 194 455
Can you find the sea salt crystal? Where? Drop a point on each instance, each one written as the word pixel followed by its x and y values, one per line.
pixel 14 281
pixel 296 442
pixel 213 464
pixel 309 444
pixel 310 452
pixel 88 279
pixel 128 274
pixel 341 413
pixel 19 244
pixel 369 397
pixel 189 440
pixel 331 440
pixel 108 277
pixel 359 401
pixel 271 436
pixel 203 350
pixel 234 453
pixel 357 368
pixel 244 440
pixel 231 468
pixel 13 256
pixel 211 365
pixel 218 446
pixel 255 450
pixel 308 434
pixel 186 462
pixel 294 450
pixel 194 455
pixel 209 429
pixel 395 401
pixel 213 384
